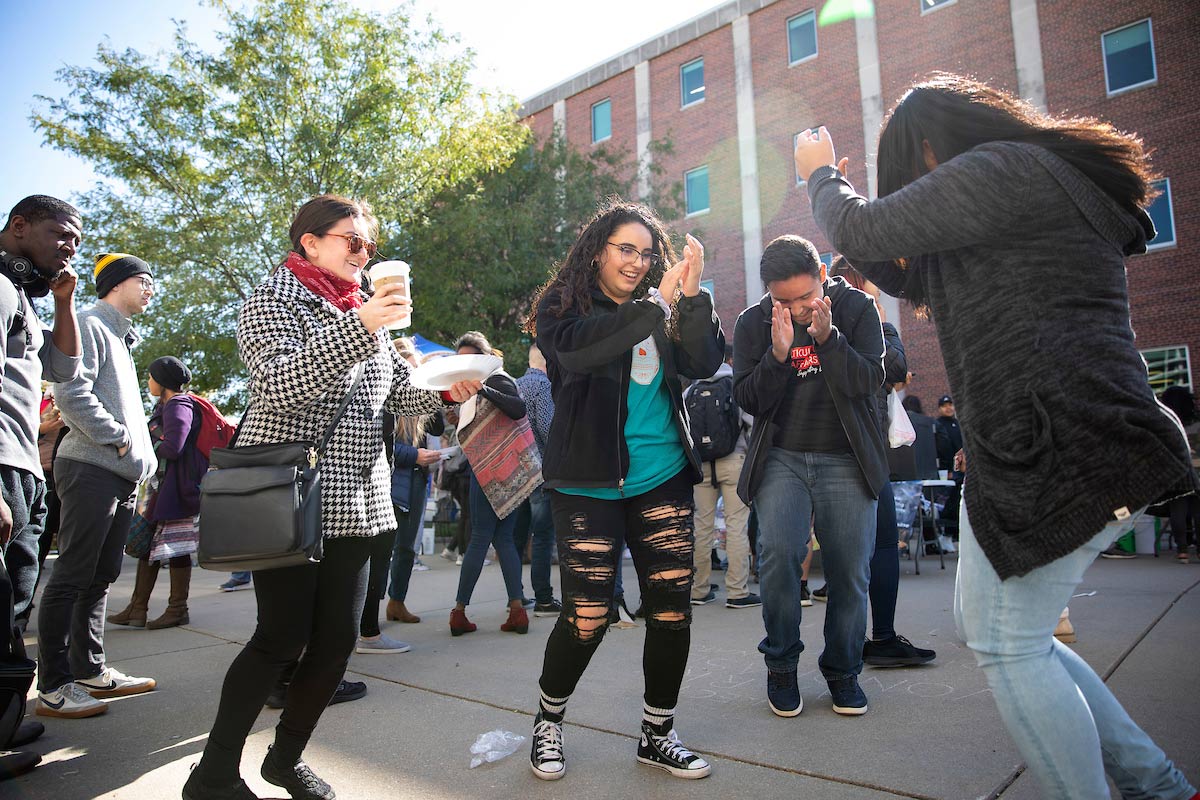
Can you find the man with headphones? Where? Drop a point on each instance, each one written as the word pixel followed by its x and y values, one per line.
pixel 36 246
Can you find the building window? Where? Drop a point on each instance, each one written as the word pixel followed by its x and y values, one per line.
pixel 1169 366
pixel 827 260
pixel 1163 214
pixel 695 189
pixel 1129 57
pixel 691 83
pixel 802 37
pixel 601 121
pixel 933 5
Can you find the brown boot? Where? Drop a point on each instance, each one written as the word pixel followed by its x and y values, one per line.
pixel 177 610
pixel 396 612
pixel 134 614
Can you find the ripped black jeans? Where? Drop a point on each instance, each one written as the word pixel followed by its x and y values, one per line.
pixel 658 528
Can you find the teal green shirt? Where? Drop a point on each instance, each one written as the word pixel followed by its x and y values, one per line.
pixel 655 452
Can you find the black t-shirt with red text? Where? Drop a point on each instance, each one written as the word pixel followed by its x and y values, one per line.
pixel 808 420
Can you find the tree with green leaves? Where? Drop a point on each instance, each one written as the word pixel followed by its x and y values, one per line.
pixel 485 245
pixel 207 155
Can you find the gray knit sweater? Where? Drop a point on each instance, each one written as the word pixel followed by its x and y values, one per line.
pixel 1021 259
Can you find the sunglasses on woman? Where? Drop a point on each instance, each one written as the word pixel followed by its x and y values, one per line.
pixel 357 243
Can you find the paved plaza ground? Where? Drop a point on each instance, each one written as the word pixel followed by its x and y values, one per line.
pixel 932 732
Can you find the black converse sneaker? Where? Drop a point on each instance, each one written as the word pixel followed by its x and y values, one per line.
pixel 546 756
pixel 299 779
pixel 665 751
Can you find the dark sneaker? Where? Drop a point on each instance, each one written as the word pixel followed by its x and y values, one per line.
pixel 665 751
pixel 299 779
pixel 749 601
pixel 1116 552
pixel 805 596
pixel 821 594
pixel 895 652
pixel 551 609
pixel 277 697
pixel 783 693
pixel 708 598
pixel 195 789
pixel 848 697
pixel 526 603
pixel 347 691
pixel 17 763
pixel 546 757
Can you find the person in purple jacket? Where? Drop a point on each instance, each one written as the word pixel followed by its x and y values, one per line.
pixel 173 425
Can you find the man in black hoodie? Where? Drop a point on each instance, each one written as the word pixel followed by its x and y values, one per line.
pixel 808 361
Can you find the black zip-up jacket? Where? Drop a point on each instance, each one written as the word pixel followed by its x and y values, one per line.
pixel 588 360
pixel 851 362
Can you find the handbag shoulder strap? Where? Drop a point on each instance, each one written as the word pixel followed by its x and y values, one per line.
pixel 337 417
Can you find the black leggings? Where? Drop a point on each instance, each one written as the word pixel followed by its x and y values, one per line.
pixel 1183 509
pixel 312 609
pixel 885 567
pixel 658 528
pixel 381 560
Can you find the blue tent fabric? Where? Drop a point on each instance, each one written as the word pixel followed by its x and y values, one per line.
pixel 426 347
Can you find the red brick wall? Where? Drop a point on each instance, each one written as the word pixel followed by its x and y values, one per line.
pixel 541 123
pixel 705 133
pixel 1164 286
pixel 624 116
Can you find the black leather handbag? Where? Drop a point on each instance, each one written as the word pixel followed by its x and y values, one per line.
pixel 260 506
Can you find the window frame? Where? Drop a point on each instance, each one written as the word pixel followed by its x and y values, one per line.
pixel 1166 349
pixel 1164 184
pixel 708 189
pixel 596 105
pixel 683 102
pixel 1153 59
pixel 787 28
pixel 930 9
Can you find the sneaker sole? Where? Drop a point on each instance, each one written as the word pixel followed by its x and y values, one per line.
pixel 806 603
pixel 537 613
pixel 786 714
pixel 820 599
pixel 236 588
pixel 897 662
pixel 850 711
pixel 383 651
pixel 121 691
pixel 80 713
pixel 547 776
pixel 704 602
pixel 743 605
pixel 687 774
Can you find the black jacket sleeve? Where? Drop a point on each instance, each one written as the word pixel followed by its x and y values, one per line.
pixel 587 343
pixel 759 381
pixel 701 346
pixel 895 363
pixel 501 390
pixel 854 363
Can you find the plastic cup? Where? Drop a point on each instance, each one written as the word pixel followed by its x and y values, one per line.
pixel 388 272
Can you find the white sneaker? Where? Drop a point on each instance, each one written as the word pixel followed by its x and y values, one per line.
pixel 458 561
pixel 70 701
pixel 420 567
pixel 114 683
pixel 381 644
pixel 447 554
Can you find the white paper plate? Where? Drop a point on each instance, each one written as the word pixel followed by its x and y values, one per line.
pixel 442 373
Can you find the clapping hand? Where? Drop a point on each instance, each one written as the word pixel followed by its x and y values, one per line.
pixel 693 254
pixel 822 319
pixel 782 334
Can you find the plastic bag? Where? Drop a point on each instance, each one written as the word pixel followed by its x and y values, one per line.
pixel 493 746
pixel 900 429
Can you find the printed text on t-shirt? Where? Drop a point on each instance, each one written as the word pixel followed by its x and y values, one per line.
pixel 805 361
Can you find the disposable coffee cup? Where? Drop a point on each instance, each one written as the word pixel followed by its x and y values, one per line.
pixel 389 272
pixel 944 473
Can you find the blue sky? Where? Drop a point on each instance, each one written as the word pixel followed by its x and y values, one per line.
pixel 521 48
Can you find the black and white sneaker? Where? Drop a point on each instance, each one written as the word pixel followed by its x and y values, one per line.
pixel 546 757
pixel 667 752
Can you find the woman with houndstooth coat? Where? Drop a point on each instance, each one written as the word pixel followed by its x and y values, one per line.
pixel 304 333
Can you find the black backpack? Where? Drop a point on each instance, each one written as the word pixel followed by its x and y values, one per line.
pixel 714 418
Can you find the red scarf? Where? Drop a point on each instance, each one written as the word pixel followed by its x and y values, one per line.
pixel 323 283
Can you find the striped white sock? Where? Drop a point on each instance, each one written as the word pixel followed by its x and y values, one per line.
pixel 553 707
pixel 660 718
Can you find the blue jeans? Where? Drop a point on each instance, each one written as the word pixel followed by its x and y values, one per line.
pixel 541 531
pixel 829 489
pixel 1064 720
pixel 409 525
pixel 488 529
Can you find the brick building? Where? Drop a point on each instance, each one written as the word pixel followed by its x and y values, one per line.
pixel 732 87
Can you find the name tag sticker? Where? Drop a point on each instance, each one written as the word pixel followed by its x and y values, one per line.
pixel 1122 513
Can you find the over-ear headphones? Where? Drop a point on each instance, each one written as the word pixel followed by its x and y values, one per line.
pixel 22 272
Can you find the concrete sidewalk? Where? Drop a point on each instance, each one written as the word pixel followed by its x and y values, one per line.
pixel 931 732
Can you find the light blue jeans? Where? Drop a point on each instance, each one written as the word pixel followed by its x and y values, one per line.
pixel 829 489
pixel 1065 721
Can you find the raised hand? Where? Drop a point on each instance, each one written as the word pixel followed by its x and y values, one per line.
pixel 822 320
pixel 672 278
pixel 63 285
pixel 813 150
pixel 782 334
pixel 693 253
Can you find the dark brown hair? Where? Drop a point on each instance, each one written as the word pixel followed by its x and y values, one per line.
pixel 476 340
pixel 321 213
pixel 955 114
pixel 572 287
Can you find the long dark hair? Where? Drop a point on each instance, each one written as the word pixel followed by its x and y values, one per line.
pixel 955 114
pixel 572 287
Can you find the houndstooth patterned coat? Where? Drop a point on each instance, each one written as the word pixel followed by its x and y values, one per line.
pixel 302 352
